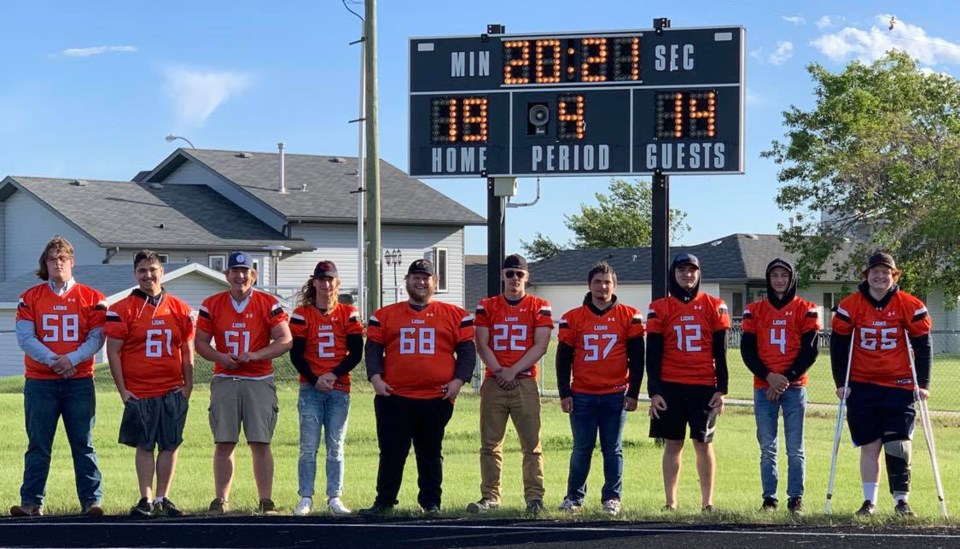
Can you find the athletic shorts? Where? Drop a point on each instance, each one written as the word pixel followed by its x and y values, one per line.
pixel 686 405
pixel 874 411
pixel 247 403
pixel 155 422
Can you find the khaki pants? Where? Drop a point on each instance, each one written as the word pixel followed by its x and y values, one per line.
pixel 523 406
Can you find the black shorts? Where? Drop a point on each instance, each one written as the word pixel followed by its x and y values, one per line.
pixel 154 422
pixel 874 411
pixel 686 405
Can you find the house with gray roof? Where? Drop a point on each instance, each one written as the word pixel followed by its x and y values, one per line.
pixel 190 282
pixel 317 204
pixel 732 267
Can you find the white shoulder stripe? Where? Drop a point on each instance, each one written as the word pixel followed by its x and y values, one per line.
pixel 467 318
pixel 204 309
pixel 920 311
pixel 842 311
pixel 297 316
pixel 373 318
pixel 113 313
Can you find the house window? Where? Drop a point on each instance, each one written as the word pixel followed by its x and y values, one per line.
pixel 164 258
pixel 217 262
pixel 440 264
pixel 737 310
pixel 830 300
pixel 256 267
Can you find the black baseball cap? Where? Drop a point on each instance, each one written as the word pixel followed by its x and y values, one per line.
pixel 515 261
pixel 684 258
pixel 781 263
pixel 421 266
pixel 325 268
pixel 880 258
pixel 240 259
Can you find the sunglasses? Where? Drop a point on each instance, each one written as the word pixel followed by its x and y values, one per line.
pixel 518 274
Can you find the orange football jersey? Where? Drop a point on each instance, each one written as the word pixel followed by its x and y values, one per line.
pixel 61 323
pixel 599 343
pixel 778 333
pixel 880 352
pixel 512 328
pixel 153 336
pixel 687 330
pixel 235 332
pixel 419 345
pixel 326 336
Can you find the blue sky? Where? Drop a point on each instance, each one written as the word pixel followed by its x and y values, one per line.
pixel 90 90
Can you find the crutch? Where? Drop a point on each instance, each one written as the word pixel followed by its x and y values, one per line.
pixel 927 428
pixel 839 428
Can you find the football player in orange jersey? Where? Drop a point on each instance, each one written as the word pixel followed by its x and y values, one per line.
pixel 880 397
pixel 60 329
pixel 513 332
pixel 250 329
pixel 418 354
pixel 327 345
pixel 779 345
pixel 687 374
pixel 601 344
pixel 150 349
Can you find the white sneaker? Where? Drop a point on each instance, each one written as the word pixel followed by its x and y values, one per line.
pixel 337 507
pixel 303 507
pixel 612 507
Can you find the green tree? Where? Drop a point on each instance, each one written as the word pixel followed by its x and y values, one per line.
pixel 875 165
pixel 620 219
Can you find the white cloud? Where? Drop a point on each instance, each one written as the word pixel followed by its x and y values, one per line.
pixel 873 43
pixel 784 52
pixel 197 93
pixel 795 19
pixel 824 22
pixel 96 50
pixel 757 53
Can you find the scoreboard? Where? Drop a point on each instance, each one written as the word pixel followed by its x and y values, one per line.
pixel 591 103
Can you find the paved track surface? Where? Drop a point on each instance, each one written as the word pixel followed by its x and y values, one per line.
pixel 241 531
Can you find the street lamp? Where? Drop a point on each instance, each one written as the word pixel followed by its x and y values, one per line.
pixel 275 251
pixel 394 257
pixel 172 138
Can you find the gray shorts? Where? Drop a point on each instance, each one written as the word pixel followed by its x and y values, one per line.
pixel 156 422
pixel 247 403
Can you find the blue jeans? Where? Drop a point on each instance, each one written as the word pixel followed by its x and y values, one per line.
pixel 326 412
pixel 592 414
pixel 793 402
pixel 44 402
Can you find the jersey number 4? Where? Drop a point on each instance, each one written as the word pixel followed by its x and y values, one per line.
pixel 418 341
pixel 61 328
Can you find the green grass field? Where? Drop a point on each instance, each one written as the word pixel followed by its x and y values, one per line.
pixel 737 490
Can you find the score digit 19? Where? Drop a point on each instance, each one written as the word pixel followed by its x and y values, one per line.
pixel 466 119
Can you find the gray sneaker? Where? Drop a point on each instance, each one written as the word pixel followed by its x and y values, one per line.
pixel 570 506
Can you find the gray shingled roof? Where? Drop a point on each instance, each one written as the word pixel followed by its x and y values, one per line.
pixel 108 279
pixel 126 214
pixel 736 257
pixel 328 182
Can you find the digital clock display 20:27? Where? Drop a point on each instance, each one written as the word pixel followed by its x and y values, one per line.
pixel 687 114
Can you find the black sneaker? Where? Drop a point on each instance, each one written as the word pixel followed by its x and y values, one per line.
pixel 267 507
pixel 770 504
pixel 795 505
pixel 376 510
pixel 535 506
pixel 166 508
pixel 217 507
pixel 867 509
pixel 142 509
pixel 482 506
pixel 903 509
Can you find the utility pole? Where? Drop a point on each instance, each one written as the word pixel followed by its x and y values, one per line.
pixel 374 290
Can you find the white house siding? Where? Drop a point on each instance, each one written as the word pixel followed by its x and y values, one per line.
pixel 192 173
pixel 194 288
pixel 11 357
pixel 338 243
pixel 28 226
pixel 3 235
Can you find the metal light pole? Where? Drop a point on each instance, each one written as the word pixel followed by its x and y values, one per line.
pixel 172 138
